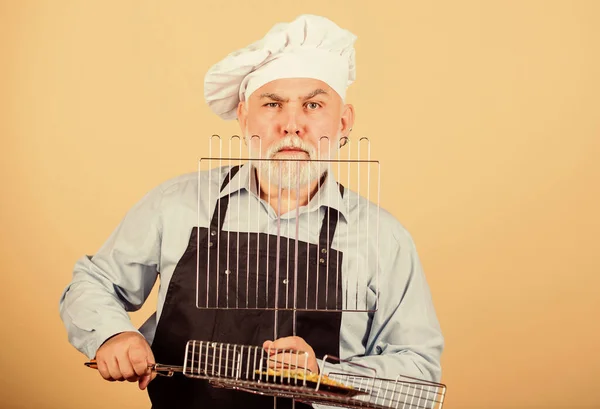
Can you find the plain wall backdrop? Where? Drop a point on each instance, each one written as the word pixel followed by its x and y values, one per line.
pixel 485 116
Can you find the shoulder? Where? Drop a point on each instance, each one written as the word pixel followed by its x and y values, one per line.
pixel 191 182
pixel 183 188
pixel 393 234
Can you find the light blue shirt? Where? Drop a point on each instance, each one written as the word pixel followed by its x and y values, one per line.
pixel 402 337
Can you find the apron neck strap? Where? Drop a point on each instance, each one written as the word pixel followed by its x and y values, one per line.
pixel 330 222
pixel 222 203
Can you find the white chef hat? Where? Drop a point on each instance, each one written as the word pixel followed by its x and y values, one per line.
pixel 308 47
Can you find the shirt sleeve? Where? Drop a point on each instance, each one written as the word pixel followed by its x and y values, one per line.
pixel 94 306
pixel 405 337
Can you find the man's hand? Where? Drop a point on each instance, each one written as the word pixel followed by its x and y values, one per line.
pixel 294 344
pixel 126 356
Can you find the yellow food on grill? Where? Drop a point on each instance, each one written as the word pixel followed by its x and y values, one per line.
pixel 301 375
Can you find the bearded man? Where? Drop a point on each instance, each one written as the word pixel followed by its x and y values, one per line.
pixel 288 93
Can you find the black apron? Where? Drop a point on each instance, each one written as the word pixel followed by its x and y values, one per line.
pixel 182 321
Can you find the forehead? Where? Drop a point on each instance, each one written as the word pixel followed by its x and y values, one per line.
pixel 294 88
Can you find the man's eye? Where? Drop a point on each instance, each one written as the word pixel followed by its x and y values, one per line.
pixel 272 105
pixel 312 105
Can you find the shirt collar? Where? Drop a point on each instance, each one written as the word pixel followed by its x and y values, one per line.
pixel 328 194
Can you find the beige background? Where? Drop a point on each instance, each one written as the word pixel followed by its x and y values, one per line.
pixel 484 114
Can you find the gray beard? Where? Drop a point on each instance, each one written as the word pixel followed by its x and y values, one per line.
pixel 293 172
pixel 290 174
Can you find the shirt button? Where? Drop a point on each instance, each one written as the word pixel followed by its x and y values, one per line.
pixel 285 281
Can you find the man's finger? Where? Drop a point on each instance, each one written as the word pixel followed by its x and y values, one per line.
pixel 293 343
pixel 126 368
pixel 113 369
pixel 146 379
pixel 289 360
pixel 139 361
pixel 103 370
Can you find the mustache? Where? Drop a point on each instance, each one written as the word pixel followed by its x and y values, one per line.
pixel 291 142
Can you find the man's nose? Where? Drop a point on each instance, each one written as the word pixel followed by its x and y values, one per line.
pixel 293 121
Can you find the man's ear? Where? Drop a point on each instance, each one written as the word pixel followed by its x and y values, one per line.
pixel 242 114
pixel 347 120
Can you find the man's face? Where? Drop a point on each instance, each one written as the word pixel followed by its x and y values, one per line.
pixel 299 118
